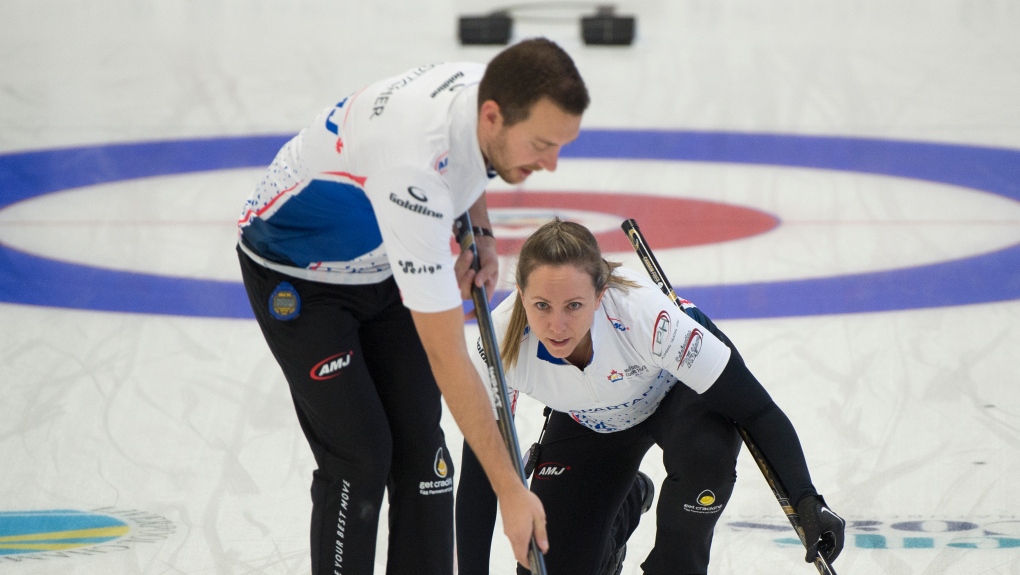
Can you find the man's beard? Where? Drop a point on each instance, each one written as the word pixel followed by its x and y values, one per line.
pixel 504 171
pixel 508 176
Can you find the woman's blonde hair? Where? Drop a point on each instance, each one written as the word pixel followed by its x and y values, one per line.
pixel 556 243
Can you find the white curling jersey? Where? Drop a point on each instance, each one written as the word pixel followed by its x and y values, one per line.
pixel 643 343
pixel 372 188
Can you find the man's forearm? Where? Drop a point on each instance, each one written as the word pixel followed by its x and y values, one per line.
pixel 479 213
pixel 465 394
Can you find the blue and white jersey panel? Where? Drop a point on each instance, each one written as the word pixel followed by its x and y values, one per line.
pixel 643 344
pixel 320 225
pixel 371 189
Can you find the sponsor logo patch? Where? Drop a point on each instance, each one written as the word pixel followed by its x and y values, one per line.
pixel 331 366
pixel 635 370
pixel 414 206
pixel 448 84
pixel 615 376
pixel 706 504
pixel 659 334
pixel 443 163
pixel 550 469
pixel 440 467
pixel 691 349
pixel 409 267
pixel 438 486
pixel 617 324
pixel 417 193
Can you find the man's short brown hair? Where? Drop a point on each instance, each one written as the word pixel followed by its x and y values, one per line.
pixel 528 71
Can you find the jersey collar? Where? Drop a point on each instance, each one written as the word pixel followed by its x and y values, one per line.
pixel 544 355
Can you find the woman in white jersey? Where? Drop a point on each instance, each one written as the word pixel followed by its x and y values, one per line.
pixel 622 368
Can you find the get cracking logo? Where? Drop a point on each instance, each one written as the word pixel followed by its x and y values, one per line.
pixel 706 504
pixel 440 466
pixel 442 470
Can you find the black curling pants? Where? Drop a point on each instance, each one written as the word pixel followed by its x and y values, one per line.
pixel 586 483
pixel 370 410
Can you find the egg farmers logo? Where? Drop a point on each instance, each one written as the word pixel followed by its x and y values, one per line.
pixel 705 504
pixel 31 536
pixel 440 467
pixel 986 532
pixel 442 470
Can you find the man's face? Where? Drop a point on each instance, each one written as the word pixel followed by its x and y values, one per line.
pixel 528 146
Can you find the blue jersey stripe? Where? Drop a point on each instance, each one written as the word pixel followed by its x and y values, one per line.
pixel 325 222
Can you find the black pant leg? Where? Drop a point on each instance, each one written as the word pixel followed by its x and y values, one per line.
pixel 420 485
pixel 583 478
pixel 476 516
pixel 628 518
pixel 338 408
pixel 700 451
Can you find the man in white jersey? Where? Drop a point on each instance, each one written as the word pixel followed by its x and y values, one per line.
pixel 346 257
pixel 622 368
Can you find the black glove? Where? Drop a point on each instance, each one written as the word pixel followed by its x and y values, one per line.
pixel 823 529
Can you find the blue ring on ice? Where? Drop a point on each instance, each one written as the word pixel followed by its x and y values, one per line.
pixel 990 277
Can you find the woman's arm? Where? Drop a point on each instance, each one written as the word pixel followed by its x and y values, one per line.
pixel 738 395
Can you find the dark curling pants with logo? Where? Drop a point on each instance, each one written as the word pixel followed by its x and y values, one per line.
pixel 370 409
pixel 585 480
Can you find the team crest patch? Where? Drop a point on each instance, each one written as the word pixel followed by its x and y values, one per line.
pixel 284 302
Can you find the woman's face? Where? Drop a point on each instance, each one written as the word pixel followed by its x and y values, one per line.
pixel 560 302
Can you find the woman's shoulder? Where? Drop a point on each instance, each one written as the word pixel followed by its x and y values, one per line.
pixel 635 296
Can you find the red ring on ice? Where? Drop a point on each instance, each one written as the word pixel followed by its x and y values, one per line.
pixel 665 222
